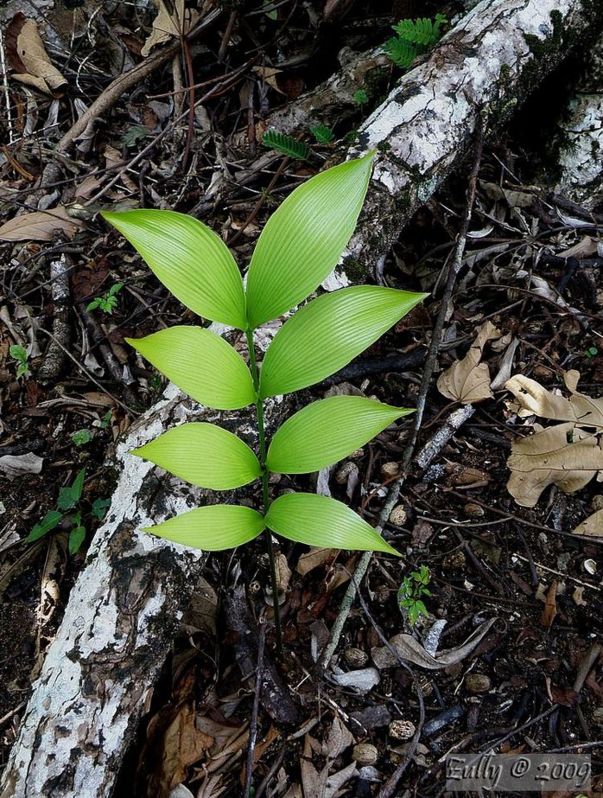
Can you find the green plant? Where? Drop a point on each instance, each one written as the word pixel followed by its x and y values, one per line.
pixel 286 145
pixel 70 498
pixel 413 37
pixel 411 592
pixel 297 249
pixel 19 353
pixel 81 437
pixel 323 134
pixel 108 302
pixel 360 97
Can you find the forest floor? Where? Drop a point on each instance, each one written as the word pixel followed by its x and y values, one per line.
pixel 530 282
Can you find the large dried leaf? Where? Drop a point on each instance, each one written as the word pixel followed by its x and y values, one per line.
pixel 568 454
pixel 593 526
pixel 183 745
pixel 409 649
pixel 169 24
pixel 28 57
pixel 40 226
pixel 467 380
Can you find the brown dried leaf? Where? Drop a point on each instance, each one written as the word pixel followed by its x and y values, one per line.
pixel 467 380
pixel 549 612
pixel 592 526
pixel 409 649
pixel 568 454
pixel 183 745
pixel 40 226
pixel 168 25
pixel 28 57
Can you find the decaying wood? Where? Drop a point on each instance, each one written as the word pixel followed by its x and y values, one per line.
pixel 127 601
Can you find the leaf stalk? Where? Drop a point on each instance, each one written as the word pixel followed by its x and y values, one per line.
pixel 259 413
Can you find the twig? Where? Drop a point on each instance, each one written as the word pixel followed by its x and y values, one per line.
pixel 453 270
pixel 394 491
pixel 128 80
pixel 55 358
pixel 586 664
pixel 253 726
pixel 434 446
pixel 9 116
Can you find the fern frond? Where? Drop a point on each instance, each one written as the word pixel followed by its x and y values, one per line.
pixel 401 52
pixel 423 31
pixel 286 145
pixel 323 134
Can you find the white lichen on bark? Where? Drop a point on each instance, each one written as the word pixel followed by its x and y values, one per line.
pixel 581 150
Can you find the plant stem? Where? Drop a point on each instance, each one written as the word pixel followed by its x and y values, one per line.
pixel 259 413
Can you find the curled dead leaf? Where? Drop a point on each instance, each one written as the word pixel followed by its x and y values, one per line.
pixel 40 226
pixel 28 58
pixel 169 24
pixel 467 380
pixel 568 454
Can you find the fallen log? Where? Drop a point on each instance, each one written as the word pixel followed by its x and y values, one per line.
pixel 581 135
pixel 125 607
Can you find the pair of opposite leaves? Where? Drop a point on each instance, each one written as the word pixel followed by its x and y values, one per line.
pixel 299 246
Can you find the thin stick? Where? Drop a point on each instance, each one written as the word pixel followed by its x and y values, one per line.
pixel 394 491
pixel 9 117
pixel 259 412
pixel 253 725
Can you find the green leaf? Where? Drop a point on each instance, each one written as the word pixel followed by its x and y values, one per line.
pixel 81 437
pixel 326 431
pixel 76 538
pixel 326 523
pixel 328 332
pixel 193 263
pixel 50 521
pixel 18 352
pixel 201 363
pixel 212 528
pixel 70 496
pixel 304 238
pixel 99 508
pixel 323 134
pixel 286 145
pixel 204 455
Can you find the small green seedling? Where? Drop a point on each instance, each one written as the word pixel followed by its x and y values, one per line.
pixel 70 499
pixel 108 302
pixel 297 249
pixel 360 97
pixel 323 134
pixel 286 145
pixel 19 353
pixel 81 437
pixel 411 592
pixel 413 37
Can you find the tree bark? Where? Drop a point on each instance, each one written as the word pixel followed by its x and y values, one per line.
pixel 126 604
pixel 487 64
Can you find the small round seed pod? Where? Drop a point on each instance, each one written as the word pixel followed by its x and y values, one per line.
pixel 365 754
pixel 476 683
pixel 402 729
pixel 355 657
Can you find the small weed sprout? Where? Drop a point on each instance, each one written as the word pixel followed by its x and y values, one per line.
pixel 108 302
pixel 69 512
pixel 298 248
pixel 411 592
pixel 19 353
pixel 413 37
pixel 323 134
